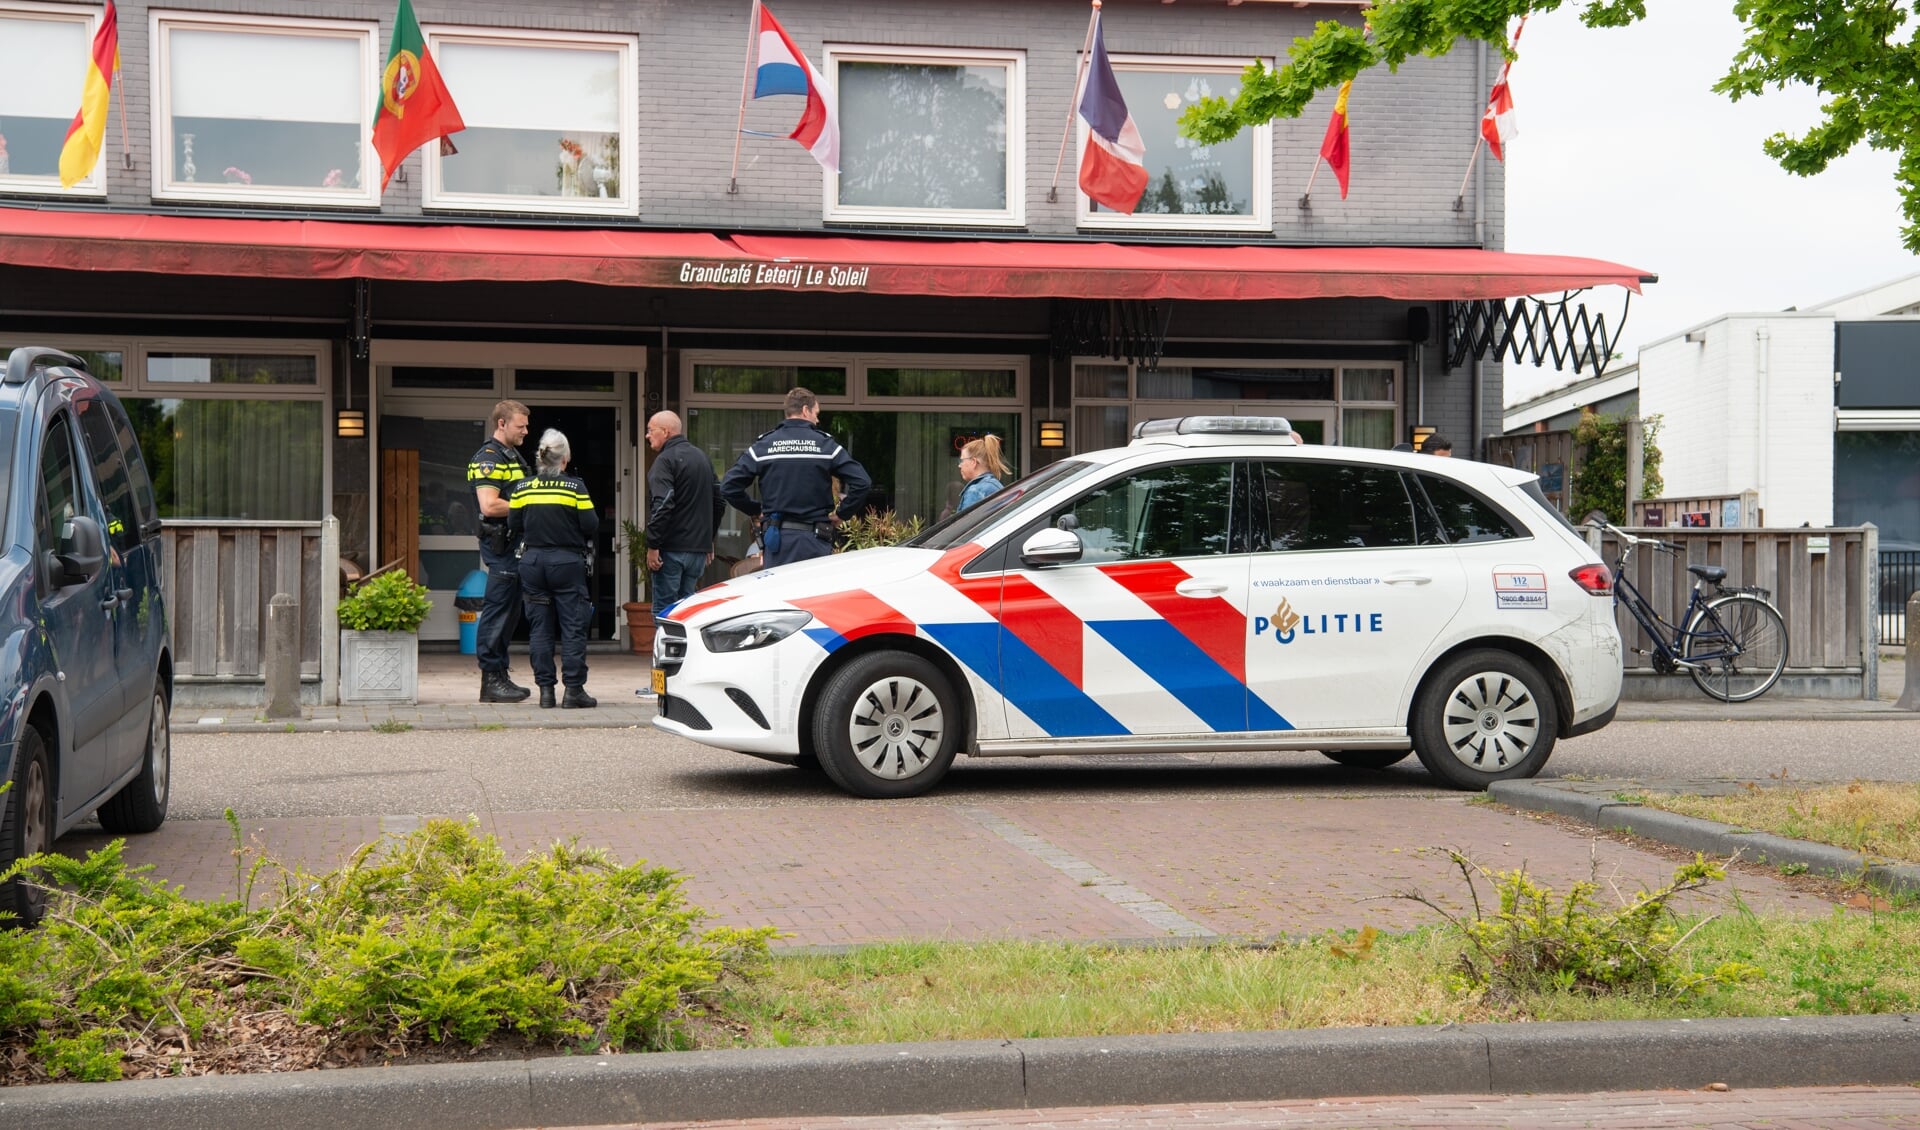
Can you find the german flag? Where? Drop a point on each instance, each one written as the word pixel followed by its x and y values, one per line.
pixel 82 148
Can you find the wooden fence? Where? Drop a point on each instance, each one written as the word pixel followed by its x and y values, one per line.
pixel 1551 455
pixel 1714 510
pixel 219 577
pixel 1819 580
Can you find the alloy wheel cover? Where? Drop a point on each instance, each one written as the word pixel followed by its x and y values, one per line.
pixel 1491 721
pixel 896 727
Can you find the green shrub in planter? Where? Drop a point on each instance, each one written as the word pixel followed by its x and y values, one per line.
pixel 390 602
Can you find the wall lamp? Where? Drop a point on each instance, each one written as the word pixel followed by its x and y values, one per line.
pixel 352 423
pixel 1053 433
pixel 1419 436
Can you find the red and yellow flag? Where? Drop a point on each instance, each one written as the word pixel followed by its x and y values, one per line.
pixel 81 152
pixel 415 107
pixel 1334 147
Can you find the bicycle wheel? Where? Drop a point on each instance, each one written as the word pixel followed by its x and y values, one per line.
pixel 1740 644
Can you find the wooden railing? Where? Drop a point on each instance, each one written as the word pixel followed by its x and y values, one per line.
pixel 1713 510
pixel 219 577
pixel 1820 580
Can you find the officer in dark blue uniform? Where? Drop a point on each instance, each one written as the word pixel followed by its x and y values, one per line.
pixel 556 519
pixel 796 464
pixel 492 473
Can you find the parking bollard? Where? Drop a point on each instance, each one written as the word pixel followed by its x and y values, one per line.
pixel 1910 695
pixel 283 656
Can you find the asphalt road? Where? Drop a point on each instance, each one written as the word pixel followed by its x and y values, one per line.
pixel 459 772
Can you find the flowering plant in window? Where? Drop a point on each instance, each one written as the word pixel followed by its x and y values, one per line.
pixel 335 178
pixel 236 175
pixel 4 163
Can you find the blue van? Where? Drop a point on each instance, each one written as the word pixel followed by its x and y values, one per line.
pixel 86 666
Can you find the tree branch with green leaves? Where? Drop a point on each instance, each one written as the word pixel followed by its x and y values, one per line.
pixel 1858 55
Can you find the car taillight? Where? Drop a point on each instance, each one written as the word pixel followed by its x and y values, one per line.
pixel 1596 579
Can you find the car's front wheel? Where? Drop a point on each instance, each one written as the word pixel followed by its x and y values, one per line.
pixel 26 828
pixel 141 804
pixel 1484 716
pixel 887 725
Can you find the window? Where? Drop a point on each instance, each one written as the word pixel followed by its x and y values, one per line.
pixel 252 460
pixel 1176 511
pixel 1353 405
pixel 1466 516
pixel 60 497
pixel 549 122
pixel 276 113
pixel 1314 505
pixel 43 54
pixel 769 380
pixel 110 472
pixel 928 136
pixel 231 369
pixel 1223 187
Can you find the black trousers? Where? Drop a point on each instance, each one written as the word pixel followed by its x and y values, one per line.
pixel 554 583
pixel 500 611
pixel 798 545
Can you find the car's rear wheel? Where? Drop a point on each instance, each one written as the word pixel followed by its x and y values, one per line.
pixel 1367 758
pixel 26 828
pixel 141 804
pixel 887 725
pixel 1484 716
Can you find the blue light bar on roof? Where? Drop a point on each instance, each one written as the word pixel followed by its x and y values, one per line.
pixel 1215 426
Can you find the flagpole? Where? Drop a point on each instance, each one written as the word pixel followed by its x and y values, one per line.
pixel 126 151
pixel 1073 104
pixel 1459 198
pixel 1308 194
pixel 746 75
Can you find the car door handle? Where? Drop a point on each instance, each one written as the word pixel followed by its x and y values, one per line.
pixel 111 602
pixel 1200 588
pixel 124 594
pixel 1409 579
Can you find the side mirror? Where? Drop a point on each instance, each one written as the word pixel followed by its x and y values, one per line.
pixel 1051 547
pixel 83 549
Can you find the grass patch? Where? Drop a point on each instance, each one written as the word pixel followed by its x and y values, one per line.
pixel 1848 963
pixel 485 727
pixel 1880 819
pixel 392 726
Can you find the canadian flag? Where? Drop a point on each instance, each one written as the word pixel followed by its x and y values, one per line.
pixel 1500 124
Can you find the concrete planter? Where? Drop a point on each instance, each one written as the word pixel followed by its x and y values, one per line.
pixel 379 666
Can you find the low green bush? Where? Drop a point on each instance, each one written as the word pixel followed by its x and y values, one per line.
pixel 389 602
pixel 434 938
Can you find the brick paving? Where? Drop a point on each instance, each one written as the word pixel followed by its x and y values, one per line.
pixel 1803 1108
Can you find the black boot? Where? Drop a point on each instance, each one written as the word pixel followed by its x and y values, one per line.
pixel 578 699
pixel 546 698
pixel 496 687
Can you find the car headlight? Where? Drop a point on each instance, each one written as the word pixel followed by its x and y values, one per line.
pixel 755 629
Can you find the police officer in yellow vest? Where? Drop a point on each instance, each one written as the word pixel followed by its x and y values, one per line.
pixel 492 473
pixel 556 520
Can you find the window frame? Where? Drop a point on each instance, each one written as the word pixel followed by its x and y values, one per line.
pixel 1014 215
pixel 1261 192
pixel 162 23
pixel 95 182
pixel 857 365
pixel 1338 404
pixel 435 197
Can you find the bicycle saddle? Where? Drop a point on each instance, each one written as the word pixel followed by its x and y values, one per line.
pixel 1712 574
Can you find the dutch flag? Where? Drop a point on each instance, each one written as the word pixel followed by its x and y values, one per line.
pixel 782 69
pixel 1113 168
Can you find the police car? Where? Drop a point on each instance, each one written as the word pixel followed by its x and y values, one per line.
pixel 1210 586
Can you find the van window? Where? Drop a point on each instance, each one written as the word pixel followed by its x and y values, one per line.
pixel 137 477
pixel 1314 505
pixel 110 473
pixel 60 497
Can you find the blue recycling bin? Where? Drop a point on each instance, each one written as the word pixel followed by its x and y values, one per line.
pixel 468 601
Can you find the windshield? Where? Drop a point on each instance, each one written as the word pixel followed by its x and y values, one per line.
pixel 959 528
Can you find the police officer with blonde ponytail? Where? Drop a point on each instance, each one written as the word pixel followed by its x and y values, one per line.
pixel 552 512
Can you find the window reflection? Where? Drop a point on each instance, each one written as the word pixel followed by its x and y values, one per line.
pixel 1179 511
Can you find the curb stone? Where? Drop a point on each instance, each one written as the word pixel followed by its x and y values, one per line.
pixel 1578 801
pixel 901 1079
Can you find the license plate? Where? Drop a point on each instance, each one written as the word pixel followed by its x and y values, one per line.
pixel 659 681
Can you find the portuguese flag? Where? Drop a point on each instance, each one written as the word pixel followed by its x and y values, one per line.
pixel 415 107
pixel 81 151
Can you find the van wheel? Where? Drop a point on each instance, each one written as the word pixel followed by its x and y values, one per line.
pixel 887 726
pixel 141 804
pixel 1484 716
pixel 1366 758
pixel 26 828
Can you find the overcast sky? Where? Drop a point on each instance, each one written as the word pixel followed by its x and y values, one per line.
pixel 1626 154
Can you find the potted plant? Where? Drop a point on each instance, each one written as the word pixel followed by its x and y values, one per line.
pixel 876 528
pixel 633 540
pixel 380 621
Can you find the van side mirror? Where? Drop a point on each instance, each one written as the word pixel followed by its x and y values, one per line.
pixel 1051 547
pixel 83 549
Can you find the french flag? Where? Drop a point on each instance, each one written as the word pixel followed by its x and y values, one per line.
pixel 1113 169
pixel 783 69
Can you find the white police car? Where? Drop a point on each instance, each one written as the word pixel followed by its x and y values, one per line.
pixel 1210 586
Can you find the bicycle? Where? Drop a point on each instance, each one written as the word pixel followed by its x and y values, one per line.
pixel 1733 644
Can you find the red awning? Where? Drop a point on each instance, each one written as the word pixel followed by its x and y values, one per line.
pixel 343 249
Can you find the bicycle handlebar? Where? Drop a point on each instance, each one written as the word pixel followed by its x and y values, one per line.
pixel 1630 540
